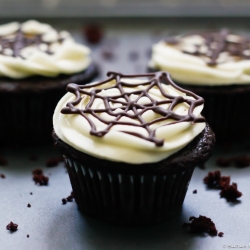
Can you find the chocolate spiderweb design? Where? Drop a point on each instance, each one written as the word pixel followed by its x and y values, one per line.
pixel 217 43
pixel 153 80
pixel 20 40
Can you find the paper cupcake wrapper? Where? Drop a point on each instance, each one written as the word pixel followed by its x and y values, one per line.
pixel 227 114
pixel 127 199
pixel 27 118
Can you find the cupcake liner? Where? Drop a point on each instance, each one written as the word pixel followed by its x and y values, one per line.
pixel 127 199
pixel 226 113
pixel 27 118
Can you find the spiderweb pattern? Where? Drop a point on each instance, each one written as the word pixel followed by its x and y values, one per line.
pixel 20 40
pixel 217 43
pixel 153 80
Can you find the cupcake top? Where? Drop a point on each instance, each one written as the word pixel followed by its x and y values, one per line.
pixel 34 48
pixel 208 58
pixel 129 118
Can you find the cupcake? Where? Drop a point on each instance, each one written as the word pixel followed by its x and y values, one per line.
pixel 36 64
pixel 216 66
pixel 131 144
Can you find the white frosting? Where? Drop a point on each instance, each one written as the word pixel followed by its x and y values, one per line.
pixel 68 57
pixel 191 69
pixel 74 129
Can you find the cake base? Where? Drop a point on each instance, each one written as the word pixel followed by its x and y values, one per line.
pixel 27 106
pixel 134 194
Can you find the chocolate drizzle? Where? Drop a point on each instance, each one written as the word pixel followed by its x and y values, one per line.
pixel 153 81
pixel 19 40
pixel 217 43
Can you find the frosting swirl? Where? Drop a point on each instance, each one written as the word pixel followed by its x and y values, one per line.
pixel 34 48
pixel 212 58
pixel 129 118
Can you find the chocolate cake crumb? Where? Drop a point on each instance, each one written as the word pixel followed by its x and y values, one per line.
pixel 107 54
pixel 69 198
pixel 223 162
pixel 2 176
pixel 213 179
pixel 31 193
pixel 28 205
pixel 3 161
pixel 195 191
pixel 53 162
pixel 242 161
pixel 28 236
pixel 202 224
pixel 230 192
pixel 12 226
pixel 39 177
pixel 224 181
pixel 93 33
pixel 220 234
pixel 37 171
pixel 33 157
pixel 42 180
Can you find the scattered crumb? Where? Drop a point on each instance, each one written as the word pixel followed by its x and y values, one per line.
pixel 223 162
pixel 68 199
pixel 33 157
pixel 39 177
pixel 28 235
pixel 215 180
pixel 52 162
pixel 220 234
pixel 195 191
pixel 240 161
pixel 212 180
pixel 230 192
pixel 42 180
pixel 107 54
pixel 37 171
pixel 93 33
pixel 3 161
pixel 2 176
pixel 12 226
pixel 202 224
pixel 28 205
pixel 31 193
pixel 224 181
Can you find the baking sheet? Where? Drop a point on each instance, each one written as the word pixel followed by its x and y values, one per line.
pixel 51 225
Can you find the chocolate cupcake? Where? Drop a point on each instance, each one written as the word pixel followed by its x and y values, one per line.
pixel 216 66
pixel 36 64
pixel 131 144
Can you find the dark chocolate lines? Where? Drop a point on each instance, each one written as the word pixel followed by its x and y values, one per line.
pixel 217 43
pixel 22 40
pixel 153 80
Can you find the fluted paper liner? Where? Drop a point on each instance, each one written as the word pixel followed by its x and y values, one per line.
pixel 127 199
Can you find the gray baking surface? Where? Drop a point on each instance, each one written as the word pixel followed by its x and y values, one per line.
pixel 51 225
